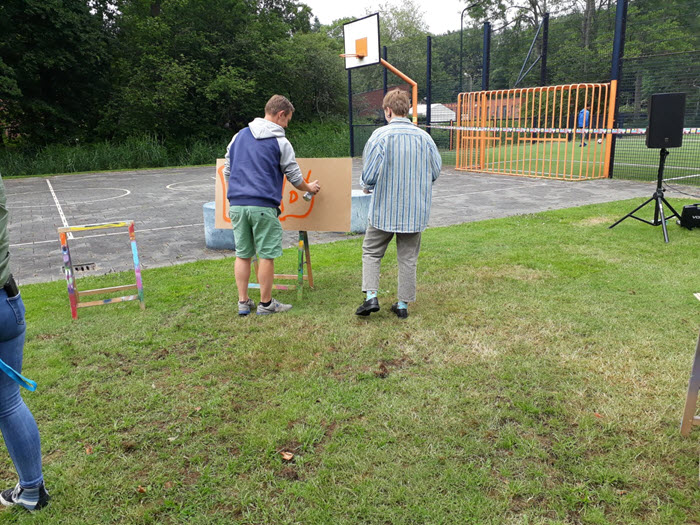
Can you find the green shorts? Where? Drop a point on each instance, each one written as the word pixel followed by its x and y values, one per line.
pixel 256 229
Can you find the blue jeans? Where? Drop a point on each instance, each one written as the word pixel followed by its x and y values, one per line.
pixel 16 421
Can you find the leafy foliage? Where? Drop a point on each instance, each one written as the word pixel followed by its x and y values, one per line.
pixel 53 68
pixel 183 70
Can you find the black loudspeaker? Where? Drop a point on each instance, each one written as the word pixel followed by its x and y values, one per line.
pixel 666 113
pixel 690 216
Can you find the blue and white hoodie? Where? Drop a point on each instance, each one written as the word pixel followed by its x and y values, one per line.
pixel 257 159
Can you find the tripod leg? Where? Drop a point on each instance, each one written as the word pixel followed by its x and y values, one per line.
pixel 630 214
pixel 674 214
pixel 660 210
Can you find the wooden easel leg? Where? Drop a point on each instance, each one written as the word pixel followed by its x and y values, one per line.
pixel 308 260
pixel 691 400
pixel 300 266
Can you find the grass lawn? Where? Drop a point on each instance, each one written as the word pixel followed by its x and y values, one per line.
pixel 540 378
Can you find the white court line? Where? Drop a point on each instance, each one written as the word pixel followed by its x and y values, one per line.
pixel 107 234
pixel 60 210
pixel 686 177
pixel 126 192
pixel 655 166
pixel 201 183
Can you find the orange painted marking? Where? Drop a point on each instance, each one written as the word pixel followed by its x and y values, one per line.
pixel 223 196
pixel 295 197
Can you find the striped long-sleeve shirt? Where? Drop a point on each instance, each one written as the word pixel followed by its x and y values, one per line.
pixel 400 163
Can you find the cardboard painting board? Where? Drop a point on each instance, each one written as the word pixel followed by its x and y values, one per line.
pixel 329 211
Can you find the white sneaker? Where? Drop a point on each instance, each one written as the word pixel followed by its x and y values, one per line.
pixel 275 307
pixel 244 308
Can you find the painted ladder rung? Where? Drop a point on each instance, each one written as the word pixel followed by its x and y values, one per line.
pixel 85 227
pixel 275 286
pixel 108 290
pixel 289 276
pixel 109 301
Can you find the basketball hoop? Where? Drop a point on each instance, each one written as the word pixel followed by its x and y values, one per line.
pixel 359 51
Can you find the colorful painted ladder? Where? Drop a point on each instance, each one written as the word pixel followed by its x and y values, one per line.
pixel 74 294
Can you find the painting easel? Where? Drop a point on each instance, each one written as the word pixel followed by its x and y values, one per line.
pixel 689 419
pixel 68 270
pixel 327 212
pixel 304 255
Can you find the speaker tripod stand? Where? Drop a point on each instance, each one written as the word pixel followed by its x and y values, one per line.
pixel 658 199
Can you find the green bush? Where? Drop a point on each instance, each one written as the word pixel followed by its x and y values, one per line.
pixel 316 139
pixel 320 139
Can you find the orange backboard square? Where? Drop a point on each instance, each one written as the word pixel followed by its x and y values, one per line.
pixel 361 47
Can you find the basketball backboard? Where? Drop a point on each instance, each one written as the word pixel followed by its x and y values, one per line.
pixel 361 38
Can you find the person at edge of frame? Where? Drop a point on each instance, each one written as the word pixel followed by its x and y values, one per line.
pixel 257 159
pixel 400 164
pixel 19 429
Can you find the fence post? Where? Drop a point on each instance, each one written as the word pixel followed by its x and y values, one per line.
pixel 545 46
pixel 386 81
pixel 428 81
pixel 352 131
pixel 384 70
pixel 486 57
pixel 616 71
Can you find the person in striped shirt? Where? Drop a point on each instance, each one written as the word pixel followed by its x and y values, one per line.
pixel 400 164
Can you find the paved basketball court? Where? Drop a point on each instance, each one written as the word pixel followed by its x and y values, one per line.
pixel 166 205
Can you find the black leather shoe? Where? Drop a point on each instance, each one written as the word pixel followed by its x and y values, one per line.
pixel 401 313
pixel 369 306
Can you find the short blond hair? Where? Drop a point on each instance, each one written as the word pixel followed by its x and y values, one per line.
pixel 278 103
pixel 397 101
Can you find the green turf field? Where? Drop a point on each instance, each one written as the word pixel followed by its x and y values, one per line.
pixel 633 160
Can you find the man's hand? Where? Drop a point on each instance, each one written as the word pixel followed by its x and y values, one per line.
pixel 313 187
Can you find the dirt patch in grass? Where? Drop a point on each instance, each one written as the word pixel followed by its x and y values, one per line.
pixel 595 221
pixel 46 337
pixel 289 473
pixel 515 271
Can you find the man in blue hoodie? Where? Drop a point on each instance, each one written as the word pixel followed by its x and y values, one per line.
pixel 257 160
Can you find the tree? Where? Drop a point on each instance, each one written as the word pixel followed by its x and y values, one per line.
pixel 314 75
pixel 53 69
pixel 193 69
pixel 400 21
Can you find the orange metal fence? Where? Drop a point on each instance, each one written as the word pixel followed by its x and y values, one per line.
pixel 557 132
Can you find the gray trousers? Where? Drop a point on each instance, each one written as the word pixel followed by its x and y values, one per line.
pixel 407 249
